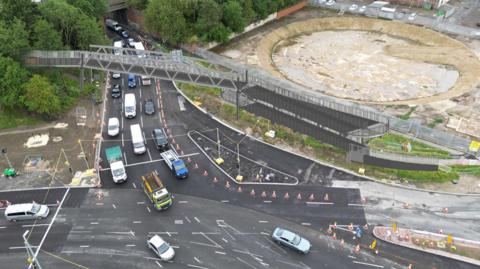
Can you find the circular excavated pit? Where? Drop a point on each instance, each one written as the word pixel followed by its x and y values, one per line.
pixel 369 60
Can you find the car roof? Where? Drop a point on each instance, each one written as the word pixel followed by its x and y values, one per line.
pixel 156 240
pixel 287 234
pixel 18 207
pixel 113 120
pixel 158 131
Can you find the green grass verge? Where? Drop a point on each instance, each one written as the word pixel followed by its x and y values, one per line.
pixel 472 169
pixel 325 152
pixel 393 143
pixel 407 115
pixel 11 119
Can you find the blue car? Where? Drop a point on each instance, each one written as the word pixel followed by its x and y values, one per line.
pixel 291 240
pixel 132 81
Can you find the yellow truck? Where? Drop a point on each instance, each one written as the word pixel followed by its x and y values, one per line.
pixel 158 194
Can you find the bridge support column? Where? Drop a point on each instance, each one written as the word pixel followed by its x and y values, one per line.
pixel 238 91
pixel 81 74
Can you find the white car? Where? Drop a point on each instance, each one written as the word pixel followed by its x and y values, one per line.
pixel 116 75
pixel 362 9
pixel 113 127
pixel 131 42
pixel 353 7
pixel 330 3
pixel 412 16
pixel 161 248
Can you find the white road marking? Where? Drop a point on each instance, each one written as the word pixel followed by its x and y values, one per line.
pixel 34 225
pixel 158 264
pixel 352 257
pixel 263 221
pixel 319 203
pixel 149 211
pixel 99 203
pixel 355 205
pixel 93 223
pixel 135 186
pixel 197 260
pixel 130 245
pixel 244 262
pixel 224 240
pixel 368 264
pixel 151 258
pixel 149 155
pixel 221 253
pixel 197 219
pixel 123 141
pixel 306 223
pixel 152 161
pixel 188 219
pixel 174 246
pixel 140 203
pixel 21 247
pixel 141 123
pixel 264 233
pixel 114 206
pixel 137 222
pixel 125 157
pixel 3 227
pixel 267 201
pixel 224 201
pixel 167 233
pixel 182 202
pixel 195 266
pixel 85 246
pixel 81 232
pixel 179 221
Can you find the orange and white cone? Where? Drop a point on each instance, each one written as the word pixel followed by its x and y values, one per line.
pixel 311 197
pixel 205 173
pixel 334 236
pixel 264 194
pixel 364 200
pixel 357 248
pixel 299 196
pixel 274 195
pixel 252 192
pixel 445 210
pixel 189 160
pixel 227 184
pixel 239 189
pixel 410 266
pixel 326 198
pixel 196 166
pixel 334 226
pixel 215 180
pixel 286 196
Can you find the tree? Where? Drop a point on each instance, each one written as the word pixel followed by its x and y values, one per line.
pixel 209 16
pixel 264 8
pixel 233 17
pixel 12 78
pixel 247 10
pixel 138 4
pixel 24 10
pixel 87 31
pixel 166 18
pixel 219 33
pixel 91 8
pixel 45 37
pixel 13 39
pixel 63 16
pixel 40 97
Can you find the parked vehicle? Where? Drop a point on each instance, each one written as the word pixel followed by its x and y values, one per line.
pixel 140 48
pixel 116 75
pixel 118 46
pixel 124 34
pixel 148 107
pixel 146 81
pixel 137 139
pixel 157 192
pixel 113 25
pixel 362 9
pixel 131 42
pixel 116 91
pixel 130 106
pixel 132 81
pixel 113 126
pixel 330 3
pixel 114 158
pixel 291 240
pixel 161 248
pixel 353 7
pixel 27 211
pixel 175 164
pixel 412 16
pixel 160 139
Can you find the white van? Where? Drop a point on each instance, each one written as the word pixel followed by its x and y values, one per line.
pixel 130 106
pixel 27 211
pixel 137 139
pixel 146 81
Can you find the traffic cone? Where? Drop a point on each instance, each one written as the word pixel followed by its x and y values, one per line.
pixel 239 189
pixel 364 200
pixel 215 180
pixel 227 184
pixel 205 173
pixel 299 196
pixel 173 141
pixel 264 194
pixel 189 160
pixel 406 205
pixel 311 197
pixel 274 195
pixel 357 248
pixel 180 152
pixel 334 225
pixel 196 166
pixel 342 243
pixel 445 210
pixel 365 227
pixel 410 266
pixel 252 192
pixel 334 236
pixel 286 196
pixel 329 230
pixel 178 147
pixel 326 198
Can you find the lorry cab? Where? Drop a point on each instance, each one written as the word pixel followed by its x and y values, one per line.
pixel 158 194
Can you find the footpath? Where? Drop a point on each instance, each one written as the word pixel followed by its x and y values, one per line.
pixel 435 243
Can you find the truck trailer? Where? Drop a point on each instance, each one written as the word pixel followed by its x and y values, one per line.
pixel 114 158
pixel 155 190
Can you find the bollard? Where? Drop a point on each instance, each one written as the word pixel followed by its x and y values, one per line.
pixel 264 194
pixel 215 180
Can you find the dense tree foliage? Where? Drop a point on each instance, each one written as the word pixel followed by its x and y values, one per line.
pixel 204 20
pixel 50 25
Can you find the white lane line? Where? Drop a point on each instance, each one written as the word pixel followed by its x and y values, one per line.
pixel 195 266
pixel 152 161
pixel 121 125
pixel 140 203
pixel 221 253
pixel 132 233
pixel 93 223
pixel 158 264
pixel 137 222
pixel 306 223
pixel 264 233
pixel 174 246
pixel 123 141
pixel 263 221
pixel 84 246
pixel 368 264
pixel 197 219
pixel 134 186
pixel 3 227
pixel 246 263
pixel 224 201
pixel 182 202
pixel 224 240
pixel 140 91
pixel 197 260
pixel 352 257
pixel 81 232
pixel 130 245
pixel 125 157
pixel 188 219
pixel 149 155
pixel 355 205
pixel 99 203
pixel 21 247
pixel 267 201
pixel 141 123
pixel 319 203
pixel 34 225
pixel 149 211
pixel 114 206
pixel 178 221
pixel 167 233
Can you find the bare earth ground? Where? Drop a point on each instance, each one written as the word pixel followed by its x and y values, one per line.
pixel 411 59
pixel 37 165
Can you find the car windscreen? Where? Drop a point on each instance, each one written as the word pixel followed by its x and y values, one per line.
pixel 35 208
pixel 112 127
pixel 179 166
pixel 163 248
pixel 138 145
pixel 296 240
pixel 118 172
pixel 129 109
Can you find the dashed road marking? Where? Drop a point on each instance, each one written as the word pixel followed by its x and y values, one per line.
pixel 99 203
pixel 188 219
pixel 137 222
pixel 20 247
pixel 3 227
pixel 114 206
pixel 319 203
pixel 368 264
pixel 93 223
pixel 159 264
pixel 196 266
pixel 267 201
pixel 263 221
pixel 352 257
pixel 85 246
pixel 140 203
pixel 179 221
pixel 34 225
pixel 221 253
pixel 197 219
pixel 149 155
pixel 224 240
pixel 134 186
pixel 182 202
pixel 197 260
pixel 148 208
pixel 225 201
pixel 355 205
pixel 306 223
pixel 130 245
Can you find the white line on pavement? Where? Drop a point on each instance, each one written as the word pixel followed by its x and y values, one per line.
pixel 141 123
pixel 35 225
pixel 85 246
pixel 149 155
pixel 158 264
pixel 219 252
pixel 267 201
pixel 130 245
pixel 125 157
pixel 123 141
pixel 140 203
pixel 99 203
pixel 195 266
pixel 114 206
pixel 134 186
pixel 225 201
pixel 152 161
pixel 93 223
pixel 355 205
pixel 149 211
pixel 263 221
pixel 137 222
pixel 306 223
pixel 188 219
pixel 182 202
pixel 21 247
pixel 3 227
pixel 197 260
pixel 352 257
pixel 197 219
pixel 369 264
pixel 319 203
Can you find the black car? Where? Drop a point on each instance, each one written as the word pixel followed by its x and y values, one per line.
pixel 124 34
pixel 160 139
pixel 116 91
pixel 148 107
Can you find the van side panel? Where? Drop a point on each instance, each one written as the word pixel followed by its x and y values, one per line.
pixel 130 105
pixel 138 142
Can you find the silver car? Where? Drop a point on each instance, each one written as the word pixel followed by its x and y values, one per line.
pixel 161 248
pixel 291 240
